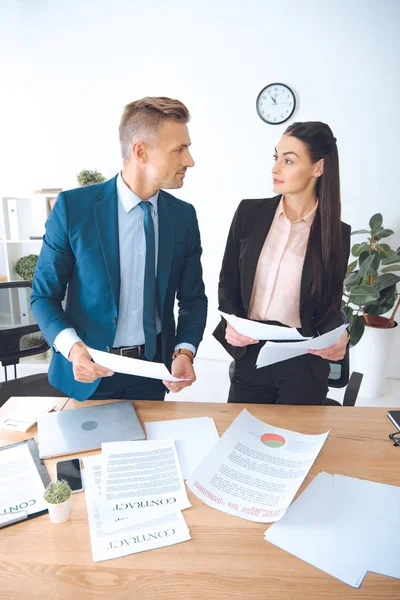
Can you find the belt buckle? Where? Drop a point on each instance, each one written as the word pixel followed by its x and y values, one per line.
pixel 128 348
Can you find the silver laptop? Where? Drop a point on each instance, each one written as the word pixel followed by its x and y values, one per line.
pixel 71 431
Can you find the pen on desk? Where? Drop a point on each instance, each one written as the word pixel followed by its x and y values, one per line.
pixel 11 518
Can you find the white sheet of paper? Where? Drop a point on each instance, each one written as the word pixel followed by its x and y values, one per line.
pixel 20 413
pixel 262 331
pixel 311 531
pixel 138 475
pixel 156 530
pixel 372 520
pixel 21 487
pixel 255 469
pixel 131 366
pixel 273 352
pixel 193 438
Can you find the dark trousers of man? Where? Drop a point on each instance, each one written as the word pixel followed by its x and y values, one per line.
pixel 288 382
pixel 131 387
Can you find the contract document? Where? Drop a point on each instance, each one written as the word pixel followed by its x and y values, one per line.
pixel 21 487
pixel 131 366
pixel 153 529
pixel 273 352
pixel 137 475
pixel 255 469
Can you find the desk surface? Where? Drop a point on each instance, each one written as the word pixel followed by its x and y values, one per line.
pixel 227 557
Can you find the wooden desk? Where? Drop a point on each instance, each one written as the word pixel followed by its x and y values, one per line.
pixel 227 557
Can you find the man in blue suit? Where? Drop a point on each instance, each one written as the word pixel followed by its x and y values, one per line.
pixel 125 249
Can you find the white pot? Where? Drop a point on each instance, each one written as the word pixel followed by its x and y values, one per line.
pixel 371 357
pixel 59 513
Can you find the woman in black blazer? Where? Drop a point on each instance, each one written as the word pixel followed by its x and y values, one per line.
pixel 313 261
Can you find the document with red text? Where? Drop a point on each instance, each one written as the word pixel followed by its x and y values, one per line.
pixel 255 469
pixel 154 528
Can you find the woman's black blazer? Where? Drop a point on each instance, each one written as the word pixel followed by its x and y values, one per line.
pixel 246 238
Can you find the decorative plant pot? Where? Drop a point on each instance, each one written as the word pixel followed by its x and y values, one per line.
pixel 371 356
pixel 59 513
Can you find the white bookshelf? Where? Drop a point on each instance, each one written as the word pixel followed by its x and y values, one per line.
pixel 22 222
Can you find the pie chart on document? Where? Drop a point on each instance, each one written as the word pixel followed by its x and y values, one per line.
pixel 272 440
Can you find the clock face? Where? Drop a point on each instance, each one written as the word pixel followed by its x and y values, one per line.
pixel 276 103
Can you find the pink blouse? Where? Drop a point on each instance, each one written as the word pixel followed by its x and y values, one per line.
pixel 276 287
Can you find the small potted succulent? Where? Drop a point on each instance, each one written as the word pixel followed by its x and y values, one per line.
pixel 58 498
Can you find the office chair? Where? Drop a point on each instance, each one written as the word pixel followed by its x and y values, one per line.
pixel 338 378
pixel 20 336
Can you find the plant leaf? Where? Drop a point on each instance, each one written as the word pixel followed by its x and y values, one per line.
pixel 363 256
pixel 363 294
pixel 351 267
pixel 360 231
pixel 384 303
pixel 365 267
pixel 357 330
pixel 390 260
pixel 383 233
pixel 350 281
pixel 357 249
pixel 376 221
pixel 385 250
pixel 391 269
pixel 386 280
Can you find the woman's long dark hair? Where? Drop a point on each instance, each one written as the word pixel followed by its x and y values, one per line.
pixel 325 243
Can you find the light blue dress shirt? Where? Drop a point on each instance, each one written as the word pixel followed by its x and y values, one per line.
pixel 132 257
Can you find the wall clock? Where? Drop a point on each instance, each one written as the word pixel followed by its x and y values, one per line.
pixel 276 103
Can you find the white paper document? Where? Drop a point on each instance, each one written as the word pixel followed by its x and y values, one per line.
pixel 273 352
pixel 131 366
pixel 140 475
pixel 343 526
pixel 156 528
pixel 310 531
pixel 255 469
pixel 193 438
pixel 370 513
pixel 262 331
pixel 20 413
pixel 21 488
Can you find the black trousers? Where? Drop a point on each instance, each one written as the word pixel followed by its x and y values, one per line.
pixel 288 382
pixel 131 387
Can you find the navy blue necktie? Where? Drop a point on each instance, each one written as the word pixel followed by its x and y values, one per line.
pixel 149 291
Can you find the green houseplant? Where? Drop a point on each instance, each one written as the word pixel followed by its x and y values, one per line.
pixel 370 286
pixel 25 266
pixel 87 177
pixel 58 498
pixel 370 291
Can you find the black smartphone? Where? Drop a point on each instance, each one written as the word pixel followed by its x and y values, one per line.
pixel 70 470
pixel 394 416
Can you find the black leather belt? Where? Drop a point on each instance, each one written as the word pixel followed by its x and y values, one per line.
pixel 129 351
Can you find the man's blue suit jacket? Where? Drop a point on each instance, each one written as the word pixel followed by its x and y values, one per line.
pixel 81 250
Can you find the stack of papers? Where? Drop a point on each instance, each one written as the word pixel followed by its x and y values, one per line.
pixel 255 469
pixel 135 490
pixel 134 496
pixel 343 526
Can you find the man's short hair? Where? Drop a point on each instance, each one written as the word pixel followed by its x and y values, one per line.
pixel 142 119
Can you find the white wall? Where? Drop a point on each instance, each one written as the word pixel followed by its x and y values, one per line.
pixel 73 65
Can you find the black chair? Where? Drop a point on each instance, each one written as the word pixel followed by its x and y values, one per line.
pixel 20 336
pixel 338 378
